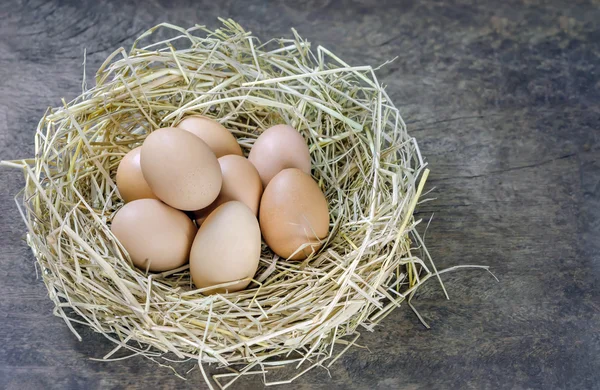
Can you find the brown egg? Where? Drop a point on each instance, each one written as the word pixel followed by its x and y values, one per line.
pixel 226 248
pixel 293 213
pixel 240 182
pixel 130 180
pixel 181 169
pixel 156 236
pixel 278 148
pixel 220 140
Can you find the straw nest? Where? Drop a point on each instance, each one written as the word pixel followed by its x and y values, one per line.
pixel 293 313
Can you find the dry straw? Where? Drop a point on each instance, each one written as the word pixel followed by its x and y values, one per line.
pixel 294 313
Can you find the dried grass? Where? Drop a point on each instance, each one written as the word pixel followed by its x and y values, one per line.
pixel 294 313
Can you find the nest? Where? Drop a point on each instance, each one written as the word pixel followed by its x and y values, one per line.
pixel 303 314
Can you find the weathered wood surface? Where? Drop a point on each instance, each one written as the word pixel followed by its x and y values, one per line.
pixel 504 97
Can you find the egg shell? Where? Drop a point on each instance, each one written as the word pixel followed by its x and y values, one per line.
pixel 278 148
pixel 226 248
pixel 130 180
pixel 293 212
pixel 240 182
pixel 217 137
pixel 154 234
pixel 180 169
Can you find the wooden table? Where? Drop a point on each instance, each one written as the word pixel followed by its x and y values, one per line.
pixel 504 98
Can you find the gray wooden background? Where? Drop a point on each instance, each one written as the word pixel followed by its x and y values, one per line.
pixel 504 97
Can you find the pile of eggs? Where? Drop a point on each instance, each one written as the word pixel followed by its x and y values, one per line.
pixel 191 195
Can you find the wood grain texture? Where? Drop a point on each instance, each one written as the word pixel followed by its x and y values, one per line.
pixel 504 98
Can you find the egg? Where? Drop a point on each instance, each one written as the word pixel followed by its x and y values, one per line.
pixel 240 182
pixel 293 213
pixel 217 137
pixel 130 180
pixel 226 248
pixel 156 236
pixel 278 148
pixel 180 169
